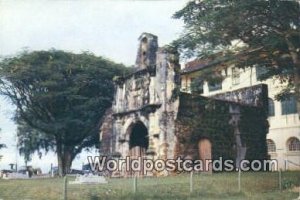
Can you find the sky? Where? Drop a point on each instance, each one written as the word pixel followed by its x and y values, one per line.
pixel 107 28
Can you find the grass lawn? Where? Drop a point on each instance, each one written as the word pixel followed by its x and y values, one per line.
pixel 259 185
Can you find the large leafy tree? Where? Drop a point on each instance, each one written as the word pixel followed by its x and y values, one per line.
pixel 60 98
pixel 268 33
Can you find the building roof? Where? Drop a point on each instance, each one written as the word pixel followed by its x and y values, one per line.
pixel 196 65
pixel 200 64
pixel 215 59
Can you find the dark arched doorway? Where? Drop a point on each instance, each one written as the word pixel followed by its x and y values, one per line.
pixel 138 143
pixel 138 136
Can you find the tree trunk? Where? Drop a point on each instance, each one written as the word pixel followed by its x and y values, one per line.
pixel 64 158
pixel 67 161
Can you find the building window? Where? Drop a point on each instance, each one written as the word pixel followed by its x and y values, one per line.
pixel 271 107
pixel 184 83
pixel 260 72
pixel 197 85
pixel 271 146
pixel 235 76
pixel 293 144
pixel 289 106
pixel 215 85
pixel 190 84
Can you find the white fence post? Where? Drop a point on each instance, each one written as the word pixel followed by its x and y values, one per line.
pixel 239 180
pixel 191 182
pixel 134 184
pixel 280 180
pixel 65 187
pixel 299 192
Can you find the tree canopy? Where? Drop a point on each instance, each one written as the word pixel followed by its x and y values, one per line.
pixel 60 98
pixel 249 32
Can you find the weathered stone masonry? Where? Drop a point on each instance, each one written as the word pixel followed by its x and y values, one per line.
pixel 144 98
pixel 151 118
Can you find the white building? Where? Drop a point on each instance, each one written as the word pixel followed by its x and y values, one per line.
pixel 283 139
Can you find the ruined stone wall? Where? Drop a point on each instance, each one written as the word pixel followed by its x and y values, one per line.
pixel 252 96
pixel 106 137
pixel 203 118
pixel 200 117
pixel 132 92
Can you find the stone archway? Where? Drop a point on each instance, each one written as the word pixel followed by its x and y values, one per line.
pixel 205 154
pixel 138 144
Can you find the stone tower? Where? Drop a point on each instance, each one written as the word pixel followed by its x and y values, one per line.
pixel 146 56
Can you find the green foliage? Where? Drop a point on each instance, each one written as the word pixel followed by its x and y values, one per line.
pixel 268 30
pixel 287 184
pixel 60 98
pixel 254 128
pixel 207 119
pixel 200 117
pixel 31 140
pixel 214 125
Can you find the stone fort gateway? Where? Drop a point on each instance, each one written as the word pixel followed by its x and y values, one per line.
pixel 153 118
